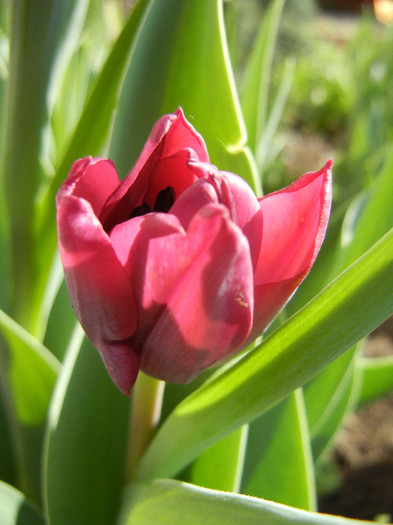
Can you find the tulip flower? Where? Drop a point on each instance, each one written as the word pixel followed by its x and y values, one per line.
pixel 180 265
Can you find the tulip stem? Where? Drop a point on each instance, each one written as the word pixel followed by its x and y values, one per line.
pixel 146 404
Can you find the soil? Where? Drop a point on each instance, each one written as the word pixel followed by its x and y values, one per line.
pixel 363 452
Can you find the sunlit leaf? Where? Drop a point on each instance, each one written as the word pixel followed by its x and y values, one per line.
pixel 15 509
pixel 191 70
pixel 168 502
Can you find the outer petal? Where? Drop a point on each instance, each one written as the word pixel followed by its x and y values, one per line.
pixel 208 311
pixel 98 286
pixel 92 179
pixel 225 188
pixel 294 226
pixel 151 249
pixel 163 161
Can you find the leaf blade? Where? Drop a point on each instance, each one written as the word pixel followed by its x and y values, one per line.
pixel 168 501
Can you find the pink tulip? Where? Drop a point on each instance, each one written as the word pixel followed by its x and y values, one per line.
pixel 180 265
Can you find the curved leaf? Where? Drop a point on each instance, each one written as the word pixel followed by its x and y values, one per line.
pixel 168 502
pixel 15 509
pixel 85 447
pixel 191 70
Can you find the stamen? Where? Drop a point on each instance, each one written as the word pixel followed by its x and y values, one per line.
pixel 164 200
pixel 140 210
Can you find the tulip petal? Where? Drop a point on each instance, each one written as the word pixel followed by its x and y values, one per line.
pixel 97 283
pixel 228 189
pixel 171 144
pixel 151 249
pixel 121 362
pixel 208 312
pixel 294 225
pixel 92 179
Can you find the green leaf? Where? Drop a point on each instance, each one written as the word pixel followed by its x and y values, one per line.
pixel 170 502
pixel 37 36
pixel 376 377
pixel 353 305
pixel 28 373
pixel 29 369
pixel 255 90
pixel 86 441
pixel 191 70
pixel 220 467
pixel 343 400
pixel 279 456
pixel 89 137
pixel 15 509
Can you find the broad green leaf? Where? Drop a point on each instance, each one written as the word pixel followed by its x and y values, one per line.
pixel 348 309
pixel 37 37
pixel 376 377
pixel 191 70
pixel 279 456
pixel 255 91
pixel 89 137
pixel 85 447
pixel 28 373
pixel 15 509
pixel 170 502
pixel 221 466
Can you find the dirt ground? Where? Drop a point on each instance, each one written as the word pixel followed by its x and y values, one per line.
pixel 364 453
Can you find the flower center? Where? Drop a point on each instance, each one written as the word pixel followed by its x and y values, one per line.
pixel 164 201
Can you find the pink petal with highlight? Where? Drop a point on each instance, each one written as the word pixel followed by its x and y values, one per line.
pixel 208 312
pixel 98 285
